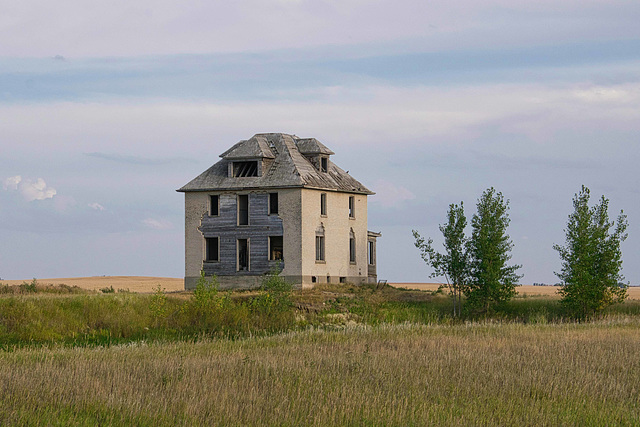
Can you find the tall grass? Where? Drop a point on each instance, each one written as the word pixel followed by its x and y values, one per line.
pixel 469 374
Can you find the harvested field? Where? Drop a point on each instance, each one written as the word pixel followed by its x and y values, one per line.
pixel 528 290
pixel 132 283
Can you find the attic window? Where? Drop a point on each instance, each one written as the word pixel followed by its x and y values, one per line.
pixel 244 169
pixel 324 164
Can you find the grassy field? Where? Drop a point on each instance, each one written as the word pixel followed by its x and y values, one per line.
pixel 471 374
pixel 337 354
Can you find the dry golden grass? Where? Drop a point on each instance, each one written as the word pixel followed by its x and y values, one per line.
pixel 528 290
pixel 132 283
pixel 473 374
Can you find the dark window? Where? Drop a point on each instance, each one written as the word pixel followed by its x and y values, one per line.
pixel 323 204
pixel 242 169
pixel 275 248
pixel 372 252
pixel 319 248
pixel 352 249
pixel 352 207
pixel 314 279
pixel 243 255
pixel 243 209
pixel 324 162
pixel 214 205
pixel 273 203
pixel 343 280
pixel 212 252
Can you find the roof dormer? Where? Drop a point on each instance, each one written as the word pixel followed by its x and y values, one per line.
pixel 316 152
pixel 249 158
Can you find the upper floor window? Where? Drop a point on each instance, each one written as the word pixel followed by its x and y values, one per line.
pixel 273 203
pixel 323 204
pixel 352 207
pixel 214 205
pixel 243 209
pixel 243 169
pixel 320 243
pixel 324 164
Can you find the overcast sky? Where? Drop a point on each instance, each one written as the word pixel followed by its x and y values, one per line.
pixel 106 108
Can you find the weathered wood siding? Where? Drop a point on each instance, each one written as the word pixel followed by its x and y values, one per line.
pixel 226 228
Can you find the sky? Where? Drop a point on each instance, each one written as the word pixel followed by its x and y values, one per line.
pixel 106 108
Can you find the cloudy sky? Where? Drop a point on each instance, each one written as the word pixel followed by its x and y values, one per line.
pixel 106 108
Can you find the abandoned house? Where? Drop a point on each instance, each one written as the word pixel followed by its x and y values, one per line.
pixel 276 201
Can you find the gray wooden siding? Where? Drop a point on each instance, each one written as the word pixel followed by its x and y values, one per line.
pixel 261 226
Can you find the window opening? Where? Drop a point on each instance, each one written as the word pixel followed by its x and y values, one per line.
pixel 244 169
pixel 352 247
pixel 343 280
pixel 214 205
pixel 324 163
pixel 372 256
pixel 314 279
pixel 352 207
pixel 323 204
pixel 243 255
pixel 212 250
pixel 328 279
pixel 275 248
pixel 243 209
pixel 273 203
pixel 319 248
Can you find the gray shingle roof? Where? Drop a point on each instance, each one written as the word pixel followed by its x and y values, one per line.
pixel 286 167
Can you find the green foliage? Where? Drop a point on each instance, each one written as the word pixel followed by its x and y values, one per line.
pixel 158 305
pixel 108 290
pixel 591 258
pixel 26 288
pixel 454 263
pixel 492 281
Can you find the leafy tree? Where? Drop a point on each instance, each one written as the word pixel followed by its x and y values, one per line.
pixel 454 263
pixel 591 257
pixel 492 281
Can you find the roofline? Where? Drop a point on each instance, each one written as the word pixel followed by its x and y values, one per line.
pixel 202 190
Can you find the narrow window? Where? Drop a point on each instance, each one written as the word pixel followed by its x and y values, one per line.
pixel 243 209
pixel 319 248
pixel 328 279
pixel 352 247
pixel 245 169
pixel 372 253
pixel 275 248
pixel 324 162
pixel 243 255
pixel 323 204
pixel 212 250
pixel 352 207
pixel 273 203
pixel 214 205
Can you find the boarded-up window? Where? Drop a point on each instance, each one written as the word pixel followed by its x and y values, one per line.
pixel 273 203
pixel 214 205
pixel 244 169
pixel 323 204
pixel 243 209
pixel 275 248
pixel 212 250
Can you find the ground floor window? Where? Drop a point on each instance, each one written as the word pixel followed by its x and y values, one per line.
pixel 319 248
pixel 275 248
pixel 243 254
pixel 212 249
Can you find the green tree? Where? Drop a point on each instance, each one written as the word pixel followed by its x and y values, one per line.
pixel 454 263
pixel 591 257
pixel 493 282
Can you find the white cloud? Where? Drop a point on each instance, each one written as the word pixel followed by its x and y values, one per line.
pixel 157 224
pixel 30 190
pixel 389 194
pixel 96 206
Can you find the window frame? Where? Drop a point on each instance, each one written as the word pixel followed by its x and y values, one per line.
pixel 320 249
pixel 248 240
pixel 352 248
pixel 212 204
pixel 323 204
pixel 238 197
pixel 207 248
pixel 281 247
pixel 277 203
pixel 352 207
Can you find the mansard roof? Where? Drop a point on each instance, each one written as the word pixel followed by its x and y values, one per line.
pixel 287 166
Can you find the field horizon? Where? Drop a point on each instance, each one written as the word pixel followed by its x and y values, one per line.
pixel 147 284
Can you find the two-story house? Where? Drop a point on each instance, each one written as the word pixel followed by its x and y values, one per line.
pixel 277 201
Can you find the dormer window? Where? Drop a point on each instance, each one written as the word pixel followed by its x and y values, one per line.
pixel 245 169
pixel 324 164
